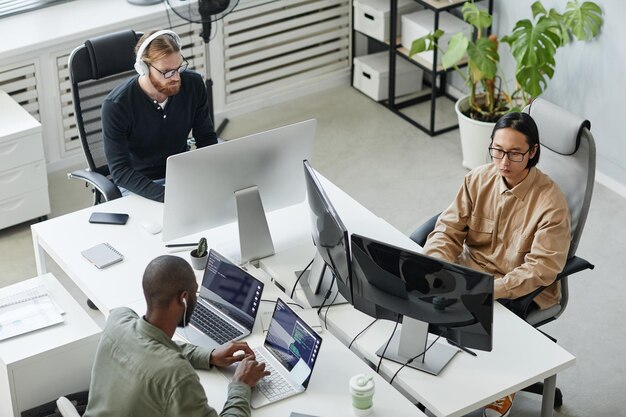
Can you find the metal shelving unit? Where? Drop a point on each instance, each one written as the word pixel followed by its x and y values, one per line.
pixel 438 75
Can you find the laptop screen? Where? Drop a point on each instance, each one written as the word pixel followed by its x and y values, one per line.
pixel 231 289
pixel 292 342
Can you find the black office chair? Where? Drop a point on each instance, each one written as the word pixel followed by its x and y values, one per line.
pixel 568 156
pixel 96 68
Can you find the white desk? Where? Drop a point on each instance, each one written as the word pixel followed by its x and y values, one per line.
pixel 520 357
pixel 34 366
pixel 528 355
pixel 327 394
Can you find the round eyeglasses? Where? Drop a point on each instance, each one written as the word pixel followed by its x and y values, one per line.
pixel 513 156
pixel 170 73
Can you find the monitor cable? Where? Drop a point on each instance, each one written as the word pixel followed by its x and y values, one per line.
pixel 361 332
pixel 382 355
pixel 412 359
pixel 328 308
pixel 275 301
pixel 328 293
pixel 293 290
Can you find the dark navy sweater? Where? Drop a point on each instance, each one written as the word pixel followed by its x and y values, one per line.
pixel 139 136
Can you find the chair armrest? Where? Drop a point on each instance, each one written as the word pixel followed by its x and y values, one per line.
pixel 104 185
pixel 574 264
pixel 420 234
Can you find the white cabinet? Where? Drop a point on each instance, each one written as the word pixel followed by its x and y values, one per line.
pixel 40 366
pixel 23 179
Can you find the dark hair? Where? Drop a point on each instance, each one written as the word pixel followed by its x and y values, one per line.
pixel 523 123
pixel 165 278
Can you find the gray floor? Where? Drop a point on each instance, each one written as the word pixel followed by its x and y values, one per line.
pixel 405 176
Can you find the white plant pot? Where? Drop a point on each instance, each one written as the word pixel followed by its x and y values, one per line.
pixel 475 137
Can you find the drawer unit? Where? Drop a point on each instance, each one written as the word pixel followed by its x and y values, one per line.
pixel 23 177
pixel 20 208
pixel 371 76
pixel 371 17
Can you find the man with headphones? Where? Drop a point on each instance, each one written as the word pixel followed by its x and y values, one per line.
pixel 148 117
pixel 140 371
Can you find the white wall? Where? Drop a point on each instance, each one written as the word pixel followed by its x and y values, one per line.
pixel 589 80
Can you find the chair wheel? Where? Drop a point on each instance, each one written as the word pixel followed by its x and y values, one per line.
pixel 91 305
pixel 558 398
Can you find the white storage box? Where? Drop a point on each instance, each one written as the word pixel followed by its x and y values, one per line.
pixel 418 24
pixel 371 76
pixel 371 17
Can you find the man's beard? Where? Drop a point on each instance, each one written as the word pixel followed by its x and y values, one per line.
pixel 167 87
pixel 188 313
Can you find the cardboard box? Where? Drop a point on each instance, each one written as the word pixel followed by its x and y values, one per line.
pixel 371 76
pixel 418 24
pixel 371 17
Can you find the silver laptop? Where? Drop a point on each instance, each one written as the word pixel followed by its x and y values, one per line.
pixel 290 350
pixel 227 306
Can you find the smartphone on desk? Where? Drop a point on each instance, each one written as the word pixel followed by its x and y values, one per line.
pixel 108 218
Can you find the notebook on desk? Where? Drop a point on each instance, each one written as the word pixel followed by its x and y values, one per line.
pixel 289 352
pixel 227 306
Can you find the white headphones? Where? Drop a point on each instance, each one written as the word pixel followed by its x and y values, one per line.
pixel 140 66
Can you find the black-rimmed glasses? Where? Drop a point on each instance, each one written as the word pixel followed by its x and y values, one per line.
pixel 512 155
pixel 170 73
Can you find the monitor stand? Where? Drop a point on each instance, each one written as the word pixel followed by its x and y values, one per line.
pixel 315 283
pixel 410 342
pixel 254 233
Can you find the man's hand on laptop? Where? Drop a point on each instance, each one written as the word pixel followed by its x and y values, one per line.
pixel 249 371
pixel 230 353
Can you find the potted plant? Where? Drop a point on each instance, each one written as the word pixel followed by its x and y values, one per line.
pixel 199 255
pixel 533 44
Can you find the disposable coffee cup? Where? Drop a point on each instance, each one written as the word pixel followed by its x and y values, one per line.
pixel 362 392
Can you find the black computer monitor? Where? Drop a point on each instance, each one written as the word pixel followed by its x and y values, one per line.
pixel 430 295
pixel 331 240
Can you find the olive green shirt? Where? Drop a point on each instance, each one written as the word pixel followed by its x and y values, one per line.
pixel 521 236
pixel 140 371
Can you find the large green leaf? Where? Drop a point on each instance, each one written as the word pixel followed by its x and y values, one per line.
pixel 457 47
pixel 483 57
pixel 475 16
pixel 534 47
pixel 425 43
pixel 584 20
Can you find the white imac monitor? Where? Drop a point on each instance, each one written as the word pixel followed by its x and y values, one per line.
pixel 238 180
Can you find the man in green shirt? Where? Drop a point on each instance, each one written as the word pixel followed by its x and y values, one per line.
pixel 140 371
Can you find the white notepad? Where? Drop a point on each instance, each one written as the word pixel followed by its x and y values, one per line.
pixel 102 255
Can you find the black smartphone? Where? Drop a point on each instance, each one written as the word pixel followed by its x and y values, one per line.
pixel 108 218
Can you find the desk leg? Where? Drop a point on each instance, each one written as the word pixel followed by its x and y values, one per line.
pixel 40 256
pixel 547 403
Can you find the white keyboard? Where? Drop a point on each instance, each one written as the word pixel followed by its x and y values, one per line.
pixel 273 386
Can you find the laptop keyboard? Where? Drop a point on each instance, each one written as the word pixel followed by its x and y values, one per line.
pixel 213 325
pixel 273 386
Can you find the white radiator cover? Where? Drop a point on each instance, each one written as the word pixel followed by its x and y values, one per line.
pixel 266 49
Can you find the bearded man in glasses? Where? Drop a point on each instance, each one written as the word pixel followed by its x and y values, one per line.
pixel 149 117
pixel 510 220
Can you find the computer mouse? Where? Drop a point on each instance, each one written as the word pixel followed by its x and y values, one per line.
pixel 151 226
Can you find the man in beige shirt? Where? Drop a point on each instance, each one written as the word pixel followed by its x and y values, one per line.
pixel 508 219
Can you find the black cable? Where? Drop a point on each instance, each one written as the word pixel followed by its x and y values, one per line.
pixel 328 308
pixel 382 355
pixel 328 293
pixel 411 360
pixel 275 301
pixel 361 332
pixel 293 290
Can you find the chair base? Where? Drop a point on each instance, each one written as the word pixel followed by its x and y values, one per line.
pixel 537 388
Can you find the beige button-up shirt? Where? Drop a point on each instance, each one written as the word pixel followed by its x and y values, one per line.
pixel 521 236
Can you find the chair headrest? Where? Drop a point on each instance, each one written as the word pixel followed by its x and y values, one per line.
pixel 559 130
pixel 112 53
